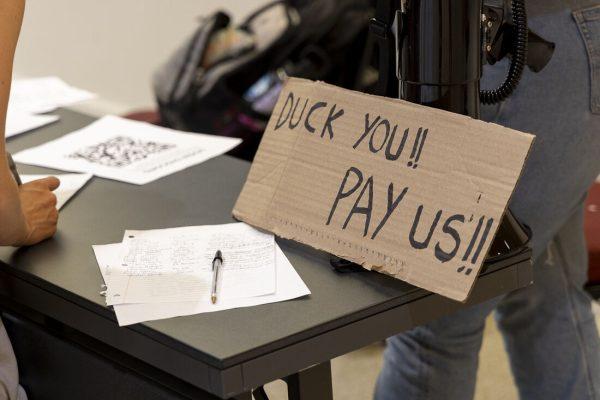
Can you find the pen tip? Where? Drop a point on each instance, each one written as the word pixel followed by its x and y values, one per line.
pixel 213 299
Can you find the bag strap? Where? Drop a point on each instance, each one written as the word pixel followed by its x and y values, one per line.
pixel 380 28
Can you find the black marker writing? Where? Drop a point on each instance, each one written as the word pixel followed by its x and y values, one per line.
pixel 386 129
pixel 341 194
pixel 330 118
pixel 368 128
pixel 315 107
pixel 293 110
pixel 421 143
pixel 288 101
pixel 391 206
pixel 415 147
pixel 443 255
pixel 367 211
pixel 388 150
pixel 486 231
pixel 424 243
pixel 381 135
pixel 473 240
pixel 293 124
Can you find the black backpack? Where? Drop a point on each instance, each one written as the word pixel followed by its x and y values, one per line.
pixel 321 40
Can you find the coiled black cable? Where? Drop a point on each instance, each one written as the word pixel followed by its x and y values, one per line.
pixel 519 57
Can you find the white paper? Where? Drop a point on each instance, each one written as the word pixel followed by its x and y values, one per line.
pixel 154 289
pixel 41 95
pixel 69 185
pixel 289 286
pixel 18 122
pixel 173 265
pixel 128 151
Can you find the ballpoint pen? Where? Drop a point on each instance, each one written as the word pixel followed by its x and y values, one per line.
pixel 216 266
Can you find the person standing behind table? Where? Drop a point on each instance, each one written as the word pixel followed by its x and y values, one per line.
pixel 549 328
pixel 28 212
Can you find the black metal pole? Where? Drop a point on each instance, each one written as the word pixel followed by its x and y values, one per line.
pixel 439 53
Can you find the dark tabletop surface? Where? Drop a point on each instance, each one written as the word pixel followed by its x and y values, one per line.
pixel 204 194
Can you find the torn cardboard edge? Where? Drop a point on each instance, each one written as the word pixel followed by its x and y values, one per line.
pixel 322 140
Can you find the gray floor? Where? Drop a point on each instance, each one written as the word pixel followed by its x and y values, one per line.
pixel 354 374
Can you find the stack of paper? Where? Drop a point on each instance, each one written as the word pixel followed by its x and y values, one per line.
pixel 18 122
pixel 30 97
pixel 128 151
pixel 166 273
pixel 46 94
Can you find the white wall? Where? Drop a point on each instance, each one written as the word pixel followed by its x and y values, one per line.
pixel 110 47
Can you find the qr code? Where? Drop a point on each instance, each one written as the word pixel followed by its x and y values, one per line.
pixel 120 151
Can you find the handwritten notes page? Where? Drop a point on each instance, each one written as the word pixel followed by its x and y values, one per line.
pixel 128 151
pixel 289 286
pixel 411 191
pixel 174 265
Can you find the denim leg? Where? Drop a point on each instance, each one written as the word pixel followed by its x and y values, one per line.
pixel 549 328
pixel 435 361
pixel 558 343
pixel 556 106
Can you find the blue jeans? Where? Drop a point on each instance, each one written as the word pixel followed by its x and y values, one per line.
pixel 548 328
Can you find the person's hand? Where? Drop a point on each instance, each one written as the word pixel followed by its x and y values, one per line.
pixel 38 204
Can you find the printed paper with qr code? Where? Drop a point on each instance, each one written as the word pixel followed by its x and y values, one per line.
pixel 128 151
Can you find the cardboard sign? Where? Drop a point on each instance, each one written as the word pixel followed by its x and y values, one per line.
pixel 407 190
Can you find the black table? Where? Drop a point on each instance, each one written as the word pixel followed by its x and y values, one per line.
pixel 53 288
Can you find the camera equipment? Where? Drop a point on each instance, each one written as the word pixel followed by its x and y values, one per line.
pixel 431 52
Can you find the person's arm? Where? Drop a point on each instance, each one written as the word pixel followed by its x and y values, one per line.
pixel 27 213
